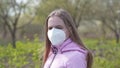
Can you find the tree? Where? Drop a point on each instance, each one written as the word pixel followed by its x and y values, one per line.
pixel 10 13
pixel 109 16
pixel 77 8
pixel 102 10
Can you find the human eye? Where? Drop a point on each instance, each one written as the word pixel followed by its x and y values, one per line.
pixel 49 28
pixel 59 27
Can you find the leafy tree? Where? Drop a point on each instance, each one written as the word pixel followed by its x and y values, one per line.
pixel 10 14
pixel 108 15
pixel 77 8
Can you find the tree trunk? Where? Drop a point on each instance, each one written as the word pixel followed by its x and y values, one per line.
pixel 13 39
pixel 13 34
pixel 117 37
pixel 4 31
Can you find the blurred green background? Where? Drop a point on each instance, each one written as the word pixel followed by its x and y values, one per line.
pixel 22 30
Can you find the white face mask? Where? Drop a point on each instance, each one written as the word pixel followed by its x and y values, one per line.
pixel 56 36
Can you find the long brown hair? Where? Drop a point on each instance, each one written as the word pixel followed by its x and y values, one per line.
pixel 70 25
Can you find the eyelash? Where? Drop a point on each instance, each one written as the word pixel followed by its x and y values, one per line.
pixel 59 27
pixel 50 28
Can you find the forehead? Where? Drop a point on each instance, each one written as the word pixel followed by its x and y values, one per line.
pixel 54 21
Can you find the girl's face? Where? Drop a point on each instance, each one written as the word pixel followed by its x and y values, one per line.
pixel 56 22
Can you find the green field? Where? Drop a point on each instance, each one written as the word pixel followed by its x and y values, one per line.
pixel 28 54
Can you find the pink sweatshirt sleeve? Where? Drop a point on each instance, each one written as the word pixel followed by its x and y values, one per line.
pixel 77 61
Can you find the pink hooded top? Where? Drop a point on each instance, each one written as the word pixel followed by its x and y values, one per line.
pixel 68 55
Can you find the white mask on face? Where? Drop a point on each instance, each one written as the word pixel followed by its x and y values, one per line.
pixel 56 36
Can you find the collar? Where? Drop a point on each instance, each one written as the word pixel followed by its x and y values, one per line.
pixel 66 46
pixel 58 49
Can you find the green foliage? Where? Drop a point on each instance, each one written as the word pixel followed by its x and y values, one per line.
pixel 25 55
pixel 28 54
pixel 106 53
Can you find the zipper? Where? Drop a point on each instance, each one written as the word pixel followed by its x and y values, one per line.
pixel 54 50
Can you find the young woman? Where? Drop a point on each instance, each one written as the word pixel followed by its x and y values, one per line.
pixel 64 49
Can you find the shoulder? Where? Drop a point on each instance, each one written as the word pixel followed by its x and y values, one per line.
pixel 76 59
pixel 75 54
